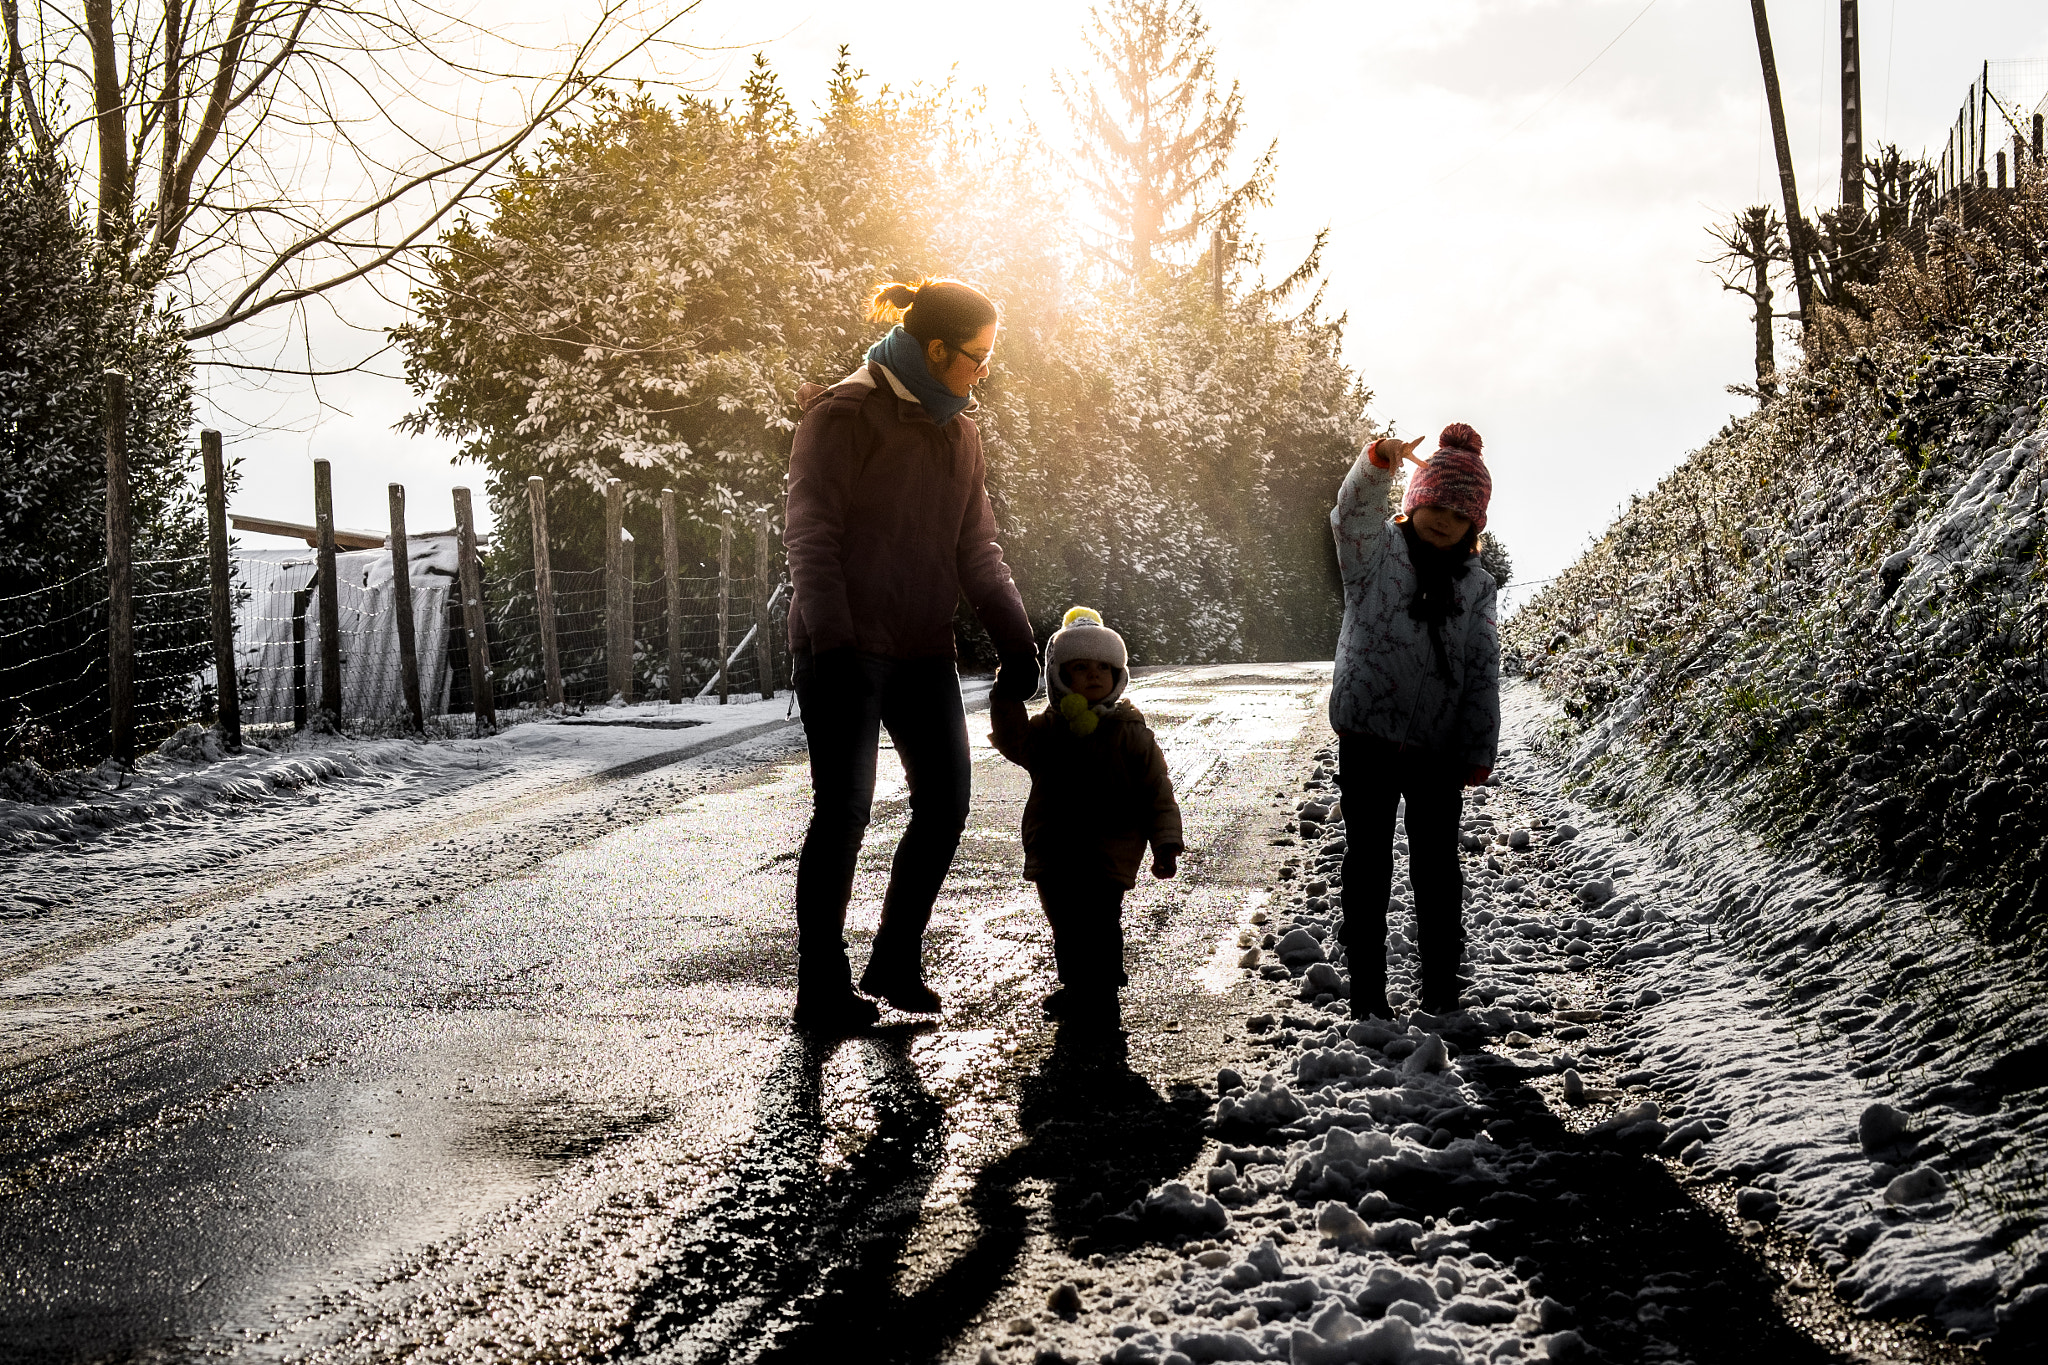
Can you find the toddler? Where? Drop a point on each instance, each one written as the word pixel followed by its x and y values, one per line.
pixel 1099 793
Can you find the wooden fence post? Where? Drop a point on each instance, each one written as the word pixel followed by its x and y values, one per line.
pixel 724 602
pixel 628 562
pixel 300 599
pixel 401 599
pixel 330 598
pixel 120 575
pixel 226 690
pixel 473 624
pixel 764 559
pixel 618 597
pixel 671 569
pixel 544 590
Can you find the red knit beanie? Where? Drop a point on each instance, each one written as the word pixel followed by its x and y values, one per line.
pixel 1455 478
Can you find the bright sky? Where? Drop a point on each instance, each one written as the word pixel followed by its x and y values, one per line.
pixel 1511 256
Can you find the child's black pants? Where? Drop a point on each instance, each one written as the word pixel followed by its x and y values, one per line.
pixel 1087 918
pixel 1374 777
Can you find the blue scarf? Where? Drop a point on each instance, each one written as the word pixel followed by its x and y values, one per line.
pixel 904 356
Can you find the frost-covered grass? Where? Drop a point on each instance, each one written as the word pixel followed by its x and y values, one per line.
pixel 1835 613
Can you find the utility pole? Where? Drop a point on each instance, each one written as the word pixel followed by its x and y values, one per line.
pixel 1852 110
pixel 1795 225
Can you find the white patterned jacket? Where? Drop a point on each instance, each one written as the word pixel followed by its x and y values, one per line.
pixel 1387 682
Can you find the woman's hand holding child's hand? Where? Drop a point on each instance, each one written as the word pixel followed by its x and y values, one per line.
pixel 1165 865
pixel 1477 777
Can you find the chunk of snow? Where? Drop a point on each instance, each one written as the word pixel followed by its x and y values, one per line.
pixel 1880 1128
pixel 1921 1185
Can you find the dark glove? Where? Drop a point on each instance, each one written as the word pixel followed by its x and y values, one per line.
pixel 1017 678
pixel 840 674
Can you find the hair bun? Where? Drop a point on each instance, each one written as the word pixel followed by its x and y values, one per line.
pixel 1458 436
pixel 897 295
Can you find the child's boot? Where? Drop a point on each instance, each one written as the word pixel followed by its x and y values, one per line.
pixel 1440 992
pixel 1369 998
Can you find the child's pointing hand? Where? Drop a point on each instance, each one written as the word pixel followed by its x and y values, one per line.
pixel 1388 452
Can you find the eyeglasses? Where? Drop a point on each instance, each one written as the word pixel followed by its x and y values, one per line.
pixel 980 361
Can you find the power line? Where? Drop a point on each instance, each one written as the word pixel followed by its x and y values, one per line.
pixel 1553 95
pixel 1891 32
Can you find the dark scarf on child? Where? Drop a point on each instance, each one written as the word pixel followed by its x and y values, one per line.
pixel 1436 587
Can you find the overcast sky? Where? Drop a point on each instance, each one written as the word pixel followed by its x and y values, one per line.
pixel 1513 251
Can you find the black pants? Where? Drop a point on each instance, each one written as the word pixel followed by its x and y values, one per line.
pixel 918 702
pixel 1374 777
pixel 1087 918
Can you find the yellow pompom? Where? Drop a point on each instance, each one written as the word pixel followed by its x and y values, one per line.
pixel 1088 614
pixel 1073 706
pixel 1085 723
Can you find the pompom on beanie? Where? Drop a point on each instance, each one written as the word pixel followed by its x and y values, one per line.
pixel 1455 478
pixel 1082 635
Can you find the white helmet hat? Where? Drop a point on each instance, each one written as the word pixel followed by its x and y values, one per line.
pixel 1082 635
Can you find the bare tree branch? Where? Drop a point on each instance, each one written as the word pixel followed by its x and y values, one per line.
pixel 251 155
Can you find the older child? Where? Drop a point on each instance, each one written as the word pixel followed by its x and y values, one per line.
pixel 1099 793
pixel 1416 698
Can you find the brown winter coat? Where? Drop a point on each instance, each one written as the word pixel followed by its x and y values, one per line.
pixel 888 522
pixel 1096 799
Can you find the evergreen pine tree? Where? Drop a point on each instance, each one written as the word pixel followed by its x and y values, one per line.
pixel 1154 156
pixel 64 321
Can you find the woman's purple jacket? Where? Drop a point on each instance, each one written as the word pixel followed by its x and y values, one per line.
pixel 888 523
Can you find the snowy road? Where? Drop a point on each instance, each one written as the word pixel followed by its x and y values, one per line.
pixel 511 1081
pixel 559 1111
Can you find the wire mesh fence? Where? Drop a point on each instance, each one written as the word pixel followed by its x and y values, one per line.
pixel 519 678
pixel 54 662
pixel 270 635
pixel 55 695
pixel 53 670
pixel 1996 119
pixel 173 646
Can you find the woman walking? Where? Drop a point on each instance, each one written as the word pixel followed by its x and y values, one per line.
pixel 888 523
pixel 1415 701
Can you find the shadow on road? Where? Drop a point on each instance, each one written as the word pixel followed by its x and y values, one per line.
pixel 792 1261
pixel 1593 1221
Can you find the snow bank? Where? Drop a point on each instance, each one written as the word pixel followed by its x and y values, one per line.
pixel 1841 630
pixel 83 847
pixel 1840 1048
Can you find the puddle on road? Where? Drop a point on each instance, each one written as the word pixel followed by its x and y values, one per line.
pixel 1220 973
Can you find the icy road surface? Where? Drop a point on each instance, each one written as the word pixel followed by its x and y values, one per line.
pixel 542 1099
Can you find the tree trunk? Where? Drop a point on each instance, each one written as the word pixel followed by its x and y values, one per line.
pixel 110 117
pixel 1766 341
